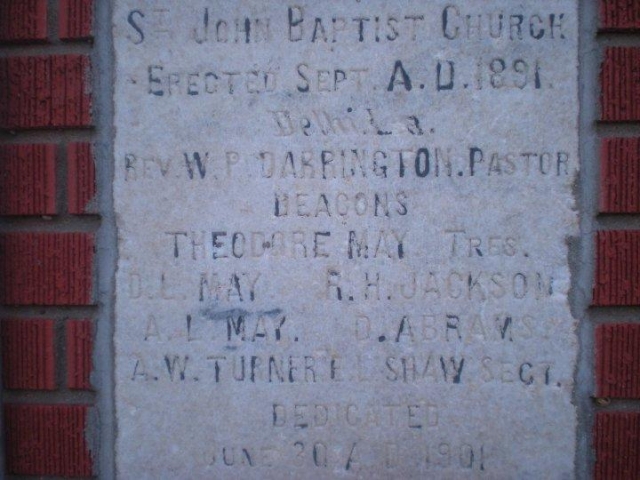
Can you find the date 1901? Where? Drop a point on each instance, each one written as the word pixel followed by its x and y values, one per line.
pixel 353 457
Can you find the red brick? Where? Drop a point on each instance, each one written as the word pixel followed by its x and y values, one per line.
pixel 619 15
pixel 618 361
pixel 47 440
pixel 617 277
pixel 617 445
pixel 76 19
pixel 46 268
pixel 23 21
pixel 620 83
pixel 27 180
pixel 44 92
pixel 620 175
pixel 79 351
pixel 28 360
pixel 81 179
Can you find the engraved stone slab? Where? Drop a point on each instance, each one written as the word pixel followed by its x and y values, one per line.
pixel 343 238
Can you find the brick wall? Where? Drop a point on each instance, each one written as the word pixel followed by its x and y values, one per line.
pixel 616 294
pixel 48 224
pixel 49 218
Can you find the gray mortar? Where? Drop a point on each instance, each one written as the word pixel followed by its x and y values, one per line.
pixel 582 253
pixel 106 239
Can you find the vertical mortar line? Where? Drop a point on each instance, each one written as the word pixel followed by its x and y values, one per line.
pixel 62 209
pixel 588 205
pixel 52 21
pixel 62 166
pixel 2 442
pixel 60 353
pixel 3 223
pixel 106 239
pixel 2 439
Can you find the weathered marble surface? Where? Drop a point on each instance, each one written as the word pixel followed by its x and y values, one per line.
pixel 343 236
